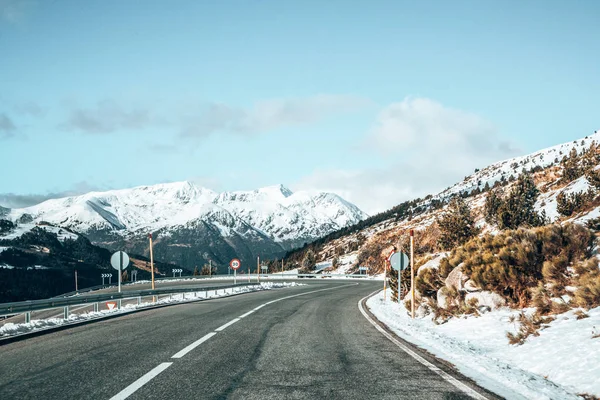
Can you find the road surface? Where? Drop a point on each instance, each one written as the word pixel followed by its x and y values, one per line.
pixel 305 342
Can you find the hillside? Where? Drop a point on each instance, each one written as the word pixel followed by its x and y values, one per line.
pixel 374 236
pixel 192 225
pixel 40 262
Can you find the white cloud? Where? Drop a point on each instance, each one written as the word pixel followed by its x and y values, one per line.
pixel 268 115
pixel 12 11
pixel 428 147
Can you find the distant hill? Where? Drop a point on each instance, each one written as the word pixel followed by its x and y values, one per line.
pixel 40 262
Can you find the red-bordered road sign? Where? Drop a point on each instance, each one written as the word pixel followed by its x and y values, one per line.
pixel 235 263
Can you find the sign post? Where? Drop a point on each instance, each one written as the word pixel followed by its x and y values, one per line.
pixel 119 261
pixel 235 264
pixel 399 262
pixel 412 273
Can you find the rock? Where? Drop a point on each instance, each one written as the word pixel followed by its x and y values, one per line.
pixel 456 279
pixel 471 287
pixel 442 298
pixel 486 299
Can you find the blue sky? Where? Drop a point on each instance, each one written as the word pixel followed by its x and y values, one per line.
pixel 378 101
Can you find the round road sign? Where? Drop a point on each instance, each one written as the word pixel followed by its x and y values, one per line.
pixel 235 263
pixel 399 261
pixel 119 260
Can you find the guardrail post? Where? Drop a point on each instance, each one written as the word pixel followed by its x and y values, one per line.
pixel 139 300
pixel 119 304
pixel 66 312
pixel 96 307
pixel 28 317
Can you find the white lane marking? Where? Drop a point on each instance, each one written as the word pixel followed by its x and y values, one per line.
pixel 447 377
pixel 233 321
pixel 129 390
pixel 259 307
pixel 194 345
pixel 245 315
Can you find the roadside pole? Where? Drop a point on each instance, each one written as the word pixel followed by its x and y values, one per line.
pixel 282 267
pixel 209 268
pixel 248 275
pixel 152 265
pixel 76 289
pixel 412 273
pixel 258 268
pixel 384 278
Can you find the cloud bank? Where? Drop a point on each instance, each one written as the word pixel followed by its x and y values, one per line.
pixel 427 146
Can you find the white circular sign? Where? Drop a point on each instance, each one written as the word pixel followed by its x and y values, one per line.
pixel 399 261
pixel 235 263
pixel 117 258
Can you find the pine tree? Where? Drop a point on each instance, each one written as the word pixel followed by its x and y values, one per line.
pixel 519 208
pixel 571 169
pixel 593 177
pixel 309 260
pixel 492 204
pixel 457 224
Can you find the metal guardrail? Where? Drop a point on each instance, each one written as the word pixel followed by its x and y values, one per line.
pixel 38 305
pixel 213 277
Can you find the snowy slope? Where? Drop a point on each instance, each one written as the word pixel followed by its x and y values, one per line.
pixel 515 166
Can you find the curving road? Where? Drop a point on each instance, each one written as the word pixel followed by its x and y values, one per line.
pixel 305 342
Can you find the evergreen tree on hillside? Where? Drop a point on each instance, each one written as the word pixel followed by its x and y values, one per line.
pixel 519 208
pixel 571 168
pixel 457 224
pixel 493 202
pixel 309 260
pixel 593 177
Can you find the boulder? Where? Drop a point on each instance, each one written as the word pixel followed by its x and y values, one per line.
pixel 471 287
pixel 486 299
pixel 456 279
pixel 442 298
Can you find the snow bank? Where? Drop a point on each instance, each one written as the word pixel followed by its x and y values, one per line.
pixel 11 329
pixel 559 364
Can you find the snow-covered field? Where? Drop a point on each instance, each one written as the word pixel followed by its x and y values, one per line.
pixel 11 329
pixel 562 362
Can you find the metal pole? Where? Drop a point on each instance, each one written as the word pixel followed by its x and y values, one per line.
pixel 120 269
pixel 412 273
pixel 76 289
pixel 234 276
pixel 384 278
pixel 151 261
pixel 209 268
pixel 258 268
pixel 282 266
pixel 248 275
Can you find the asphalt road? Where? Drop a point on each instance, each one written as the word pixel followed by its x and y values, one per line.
pixel 314 345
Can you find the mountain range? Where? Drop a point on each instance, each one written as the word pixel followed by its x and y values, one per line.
pixel 192 225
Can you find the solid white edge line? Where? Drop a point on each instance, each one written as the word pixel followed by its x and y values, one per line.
pixel 447 377
pixel 259 307
pixel 245 315
pixel 192 346
pixel 233 321
pixel 129 390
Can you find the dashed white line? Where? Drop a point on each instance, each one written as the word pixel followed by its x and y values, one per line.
pixel 129 390
pixel 447 377
pixel 193 345
pixel 233 321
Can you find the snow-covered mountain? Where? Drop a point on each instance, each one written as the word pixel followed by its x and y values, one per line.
pixel 193 224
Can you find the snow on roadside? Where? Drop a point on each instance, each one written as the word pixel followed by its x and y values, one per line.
pixel 562 362
pixel 11 329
